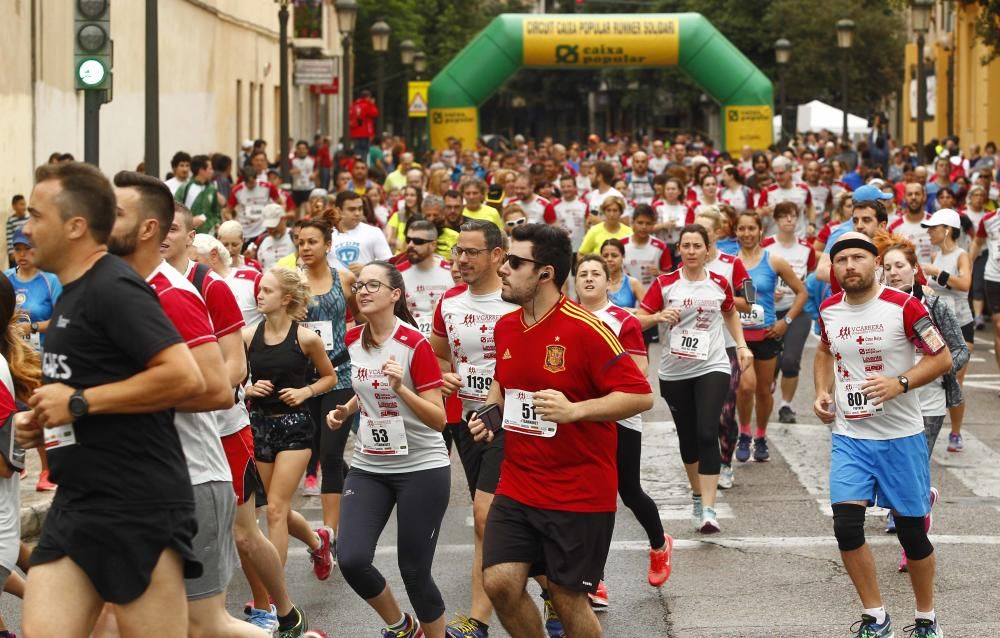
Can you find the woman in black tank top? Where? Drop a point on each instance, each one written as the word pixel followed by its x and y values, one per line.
pixel 280 353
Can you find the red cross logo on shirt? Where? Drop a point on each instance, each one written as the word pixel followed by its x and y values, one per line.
pixel 700 310
pixel 484 328
pixel 860 340
pixel 838 356
pixel 457 343
pixel 465 359
pixel 376 384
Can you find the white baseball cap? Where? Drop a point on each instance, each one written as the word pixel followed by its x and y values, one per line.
pixel 943 217
pixel 271 215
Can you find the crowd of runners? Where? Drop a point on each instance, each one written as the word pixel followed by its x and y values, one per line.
pixel 496 309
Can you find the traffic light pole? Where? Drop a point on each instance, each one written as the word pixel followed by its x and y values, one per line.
pixel 152 132
pixel 92 101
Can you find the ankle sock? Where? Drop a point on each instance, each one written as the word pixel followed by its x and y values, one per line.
pixel 759 434
pixel 287 622
pixel 785 404
pixel 400 625
pixel 920 615
pixel 877 613
pixel 745 429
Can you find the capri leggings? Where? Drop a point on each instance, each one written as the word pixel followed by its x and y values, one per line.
pixel 729 430
pixel 695 405
pixel 420 499
pixel 978 289
pixel 794 342
pixel 932 427
pixel 630 488
pixel 330 443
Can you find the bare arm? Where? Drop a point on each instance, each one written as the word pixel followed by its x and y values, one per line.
pixel 823 268
pixel 347 279
pixel 170 377
pixel 616 406
pixel 312 346
pixel 823 383
pixel 961 280
pixel 235 356
pixel 427 405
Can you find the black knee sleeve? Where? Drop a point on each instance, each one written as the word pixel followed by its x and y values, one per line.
pixel 913 538
pixel 849 525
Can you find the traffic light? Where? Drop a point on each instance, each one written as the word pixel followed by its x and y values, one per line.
pixel 92 44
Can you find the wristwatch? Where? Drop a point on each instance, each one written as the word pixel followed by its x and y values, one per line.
pixel 903 381
pixel 788 320
pixel 78 404
pixel 34 326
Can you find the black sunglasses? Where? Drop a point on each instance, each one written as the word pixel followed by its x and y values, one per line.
pixel 516 262
pixel 417 241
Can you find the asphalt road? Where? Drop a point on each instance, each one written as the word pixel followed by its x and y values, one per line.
pixel 773 571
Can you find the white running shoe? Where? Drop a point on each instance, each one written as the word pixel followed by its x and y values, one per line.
pixel 726 477
pixel 709 522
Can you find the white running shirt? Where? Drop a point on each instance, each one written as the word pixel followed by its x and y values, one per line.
pixel 424 287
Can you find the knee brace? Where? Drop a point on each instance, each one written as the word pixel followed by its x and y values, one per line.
pixel 913 537
pixel 849 525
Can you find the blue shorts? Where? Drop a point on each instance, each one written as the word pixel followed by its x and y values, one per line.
pixel 892 473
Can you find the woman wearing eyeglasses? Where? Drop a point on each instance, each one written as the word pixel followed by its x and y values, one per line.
pixel 400 459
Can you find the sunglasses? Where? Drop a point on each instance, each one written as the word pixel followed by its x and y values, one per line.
pixel 516 222
pixel 417 241
pixel 516 262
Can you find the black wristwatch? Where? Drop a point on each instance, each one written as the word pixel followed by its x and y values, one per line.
pixel 903 381
pixel 78 405
pixel 34 326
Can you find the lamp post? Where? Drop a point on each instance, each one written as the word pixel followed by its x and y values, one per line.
pixel 406 52
pixel 286 175
pixel 920 16
pixel 380 44
pixel 419 66
pixel 845 39
pixel 347 15
pixel 782 53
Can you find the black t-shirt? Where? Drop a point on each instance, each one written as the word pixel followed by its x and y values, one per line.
pixel 106 327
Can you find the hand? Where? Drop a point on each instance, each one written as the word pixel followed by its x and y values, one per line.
pixel 336 417
pixel 480 433
pixel 452 382
pixel 259 389
pixel 51 404
pixel 552 405
pixel 777 330
pixel 822 407
pixel 28 431
pixel 745 357
pixel 394 371
pixel 930 270
pixel 881 389
pixel 295 396
pixel 669 316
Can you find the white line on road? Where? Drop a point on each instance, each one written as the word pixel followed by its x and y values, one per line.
pixel 663 476
pixel 977 466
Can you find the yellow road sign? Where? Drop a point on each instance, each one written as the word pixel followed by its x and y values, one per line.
pixel 416 98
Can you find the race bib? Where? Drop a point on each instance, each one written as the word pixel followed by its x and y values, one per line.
pixel 424 324
pixel 253 213
pixel 385 436
pixel 322 328
pixel 59 436
pixel 853 403
pixel 689 343
pixel 475 382
pixel 753 318
pixel 519 415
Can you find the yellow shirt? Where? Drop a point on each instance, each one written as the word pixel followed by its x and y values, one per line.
pixel 598 234
pixel 485 213
pixel 447 238
pixel 290 262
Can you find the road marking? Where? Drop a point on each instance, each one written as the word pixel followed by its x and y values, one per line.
pixel 982 376
pixel 663 476
pixel 977 466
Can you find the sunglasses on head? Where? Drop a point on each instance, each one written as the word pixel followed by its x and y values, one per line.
pixel 419 241
pixel 516 222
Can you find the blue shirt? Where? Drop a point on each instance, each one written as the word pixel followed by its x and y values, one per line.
pixel 845 226
pixel 762 314
pixel 853 180
pixel 37 296
pixel 729 245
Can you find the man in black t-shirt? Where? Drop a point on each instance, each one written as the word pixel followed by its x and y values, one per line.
pixel 121 524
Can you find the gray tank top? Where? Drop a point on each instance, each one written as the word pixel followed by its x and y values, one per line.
pixel 957 299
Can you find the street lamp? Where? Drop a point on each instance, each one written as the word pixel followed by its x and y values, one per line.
pixel 286 175
pixel 920 16
pixel 845 39
pixel 782 54
pixel 419 66
pixel 406 52
pixel 347 15
pixel 380 44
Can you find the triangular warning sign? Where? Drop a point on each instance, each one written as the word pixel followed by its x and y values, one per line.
pixel 418 105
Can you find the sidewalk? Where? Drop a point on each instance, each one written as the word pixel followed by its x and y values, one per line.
pixel 34 505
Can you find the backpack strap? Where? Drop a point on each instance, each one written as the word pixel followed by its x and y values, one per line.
pixel 200 272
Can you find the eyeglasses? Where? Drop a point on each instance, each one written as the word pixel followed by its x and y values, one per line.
pixel 419 241
pixel 458 251
pixel 515 261
pixel 516 222
pixel 371 286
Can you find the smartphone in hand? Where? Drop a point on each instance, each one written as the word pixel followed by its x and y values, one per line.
pixel 491 416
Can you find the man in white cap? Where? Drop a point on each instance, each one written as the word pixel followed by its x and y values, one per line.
pixel 277 241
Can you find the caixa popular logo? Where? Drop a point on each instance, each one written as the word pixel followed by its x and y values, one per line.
pixel 567 54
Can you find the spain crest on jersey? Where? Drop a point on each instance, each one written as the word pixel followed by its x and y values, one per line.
pixel 555 358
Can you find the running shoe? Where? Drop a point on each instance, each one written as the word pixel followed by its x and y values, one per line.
pixel 929 519
pixel 45 485
pixel 709 522
pixel 266 620
pixel 465 627
pixel 980 323
pixel 890 524
pixel 786 414
pixel 868 628
pixel 696 511
pixel 322 558
pixel 923 628
pixel 659 562
pixel 743 448
pixel 725 477
pixel 553 626
pixel 411 630
pixel 954 444
pixel 310 486
pixel 297 630
pixel 760 453
pixel 248 605
pixel 599 599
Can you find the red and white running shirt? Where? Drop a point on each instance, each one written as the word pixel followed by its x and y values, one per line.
pixel 424 288
pixel 989 231
pixel 249 203
pixel 798 194
pixel 629 332
pixel 571 216
pixel 918 235
pixel 646 261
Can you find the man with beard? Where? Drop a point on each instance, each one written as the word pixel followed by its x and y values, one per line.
pixel 910 223
pixel 867 359
pixel 427 274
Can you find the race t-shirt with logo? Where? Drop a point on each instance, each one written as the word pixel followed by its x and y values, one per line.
pixel 876 338
pixel 595 198
pixel 629 332
pixel 467 321
pixel 918 235
pixel 798 194
pixel 245 284
pixel 695 345
pixel 560 466
pixel 361 244
pixel 391 438
pixel 740 198
pixel 822 197
pixel 271 250
pixel 644 262
pixel 199 431
pixel 534 209
pixel 800 256
pixel 36 298
pixel 424 288
pixel 249 203
pixel 989 231
pixel 571 216
pixel 88 346
pixel 680 214
pixel 303 179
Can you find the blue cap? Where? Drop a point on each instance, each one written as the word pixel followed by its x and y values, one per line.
pixel 21 238
pixel 869 193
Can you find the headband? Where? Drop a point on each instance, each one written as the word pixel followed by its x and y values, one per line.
pixel 853 242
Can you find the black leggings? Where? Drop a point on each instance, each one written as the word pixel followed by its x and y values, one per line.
pixel 328 445
pixel 728 429
pixel 421 499
pixel 696 405
pixel 630 488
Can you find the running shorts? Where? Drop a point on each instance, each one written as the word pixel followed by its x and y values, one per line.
pixel 481 461
pixel 214 545
pixel 765 349
pixel 239 453
pixel 279 433
pixel 890 473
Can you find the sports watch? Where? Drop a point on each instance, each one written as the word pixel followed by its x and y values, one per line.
pixel 903 381
pixel 78 404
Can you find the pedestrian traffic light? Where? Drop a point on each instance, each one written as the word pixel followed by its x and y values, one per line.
pixel 92 44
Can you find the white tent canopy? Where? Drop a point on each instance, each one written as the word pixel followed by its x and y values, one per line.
pixel 816 115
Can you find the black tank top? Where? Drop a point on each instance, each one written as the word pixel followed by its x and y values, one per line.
pixel 284 365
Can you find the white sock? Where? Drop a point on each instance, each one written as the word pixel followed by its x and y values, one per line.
pixel 925 615
pixel 878 614
pixel 400 624
pixel 785 404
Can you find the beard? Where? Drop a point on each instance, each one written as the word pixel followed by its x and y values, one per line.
pixel 125 245
pixel 861 284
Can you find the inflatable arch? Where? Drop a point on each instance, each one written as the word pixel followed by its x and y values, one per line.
pixel 576 41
